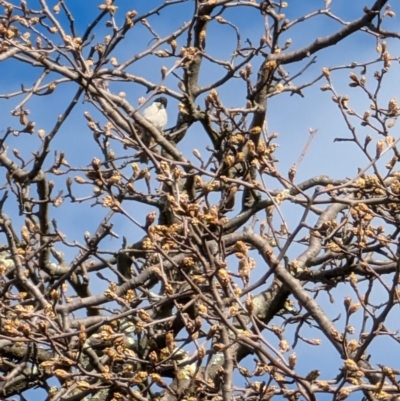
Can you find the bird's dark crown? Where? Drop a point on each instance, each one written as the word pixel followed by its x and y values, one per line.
pixel 163 100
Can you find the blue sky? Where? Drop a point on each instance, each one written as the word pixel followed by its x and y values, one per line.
pixel 290 116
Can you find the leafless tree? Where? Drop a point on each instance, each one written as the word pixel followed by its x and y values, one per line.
pixel 229 278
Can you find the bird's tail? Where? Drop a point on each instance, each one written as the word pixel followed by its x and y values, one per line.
pixel 144 158
pixel 146 139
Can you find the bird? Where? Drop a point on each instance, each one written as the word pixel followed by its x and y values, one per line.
pixel 155 114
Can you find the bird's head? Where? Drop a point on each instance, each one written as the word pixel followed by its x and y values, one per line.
pixel 162 101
